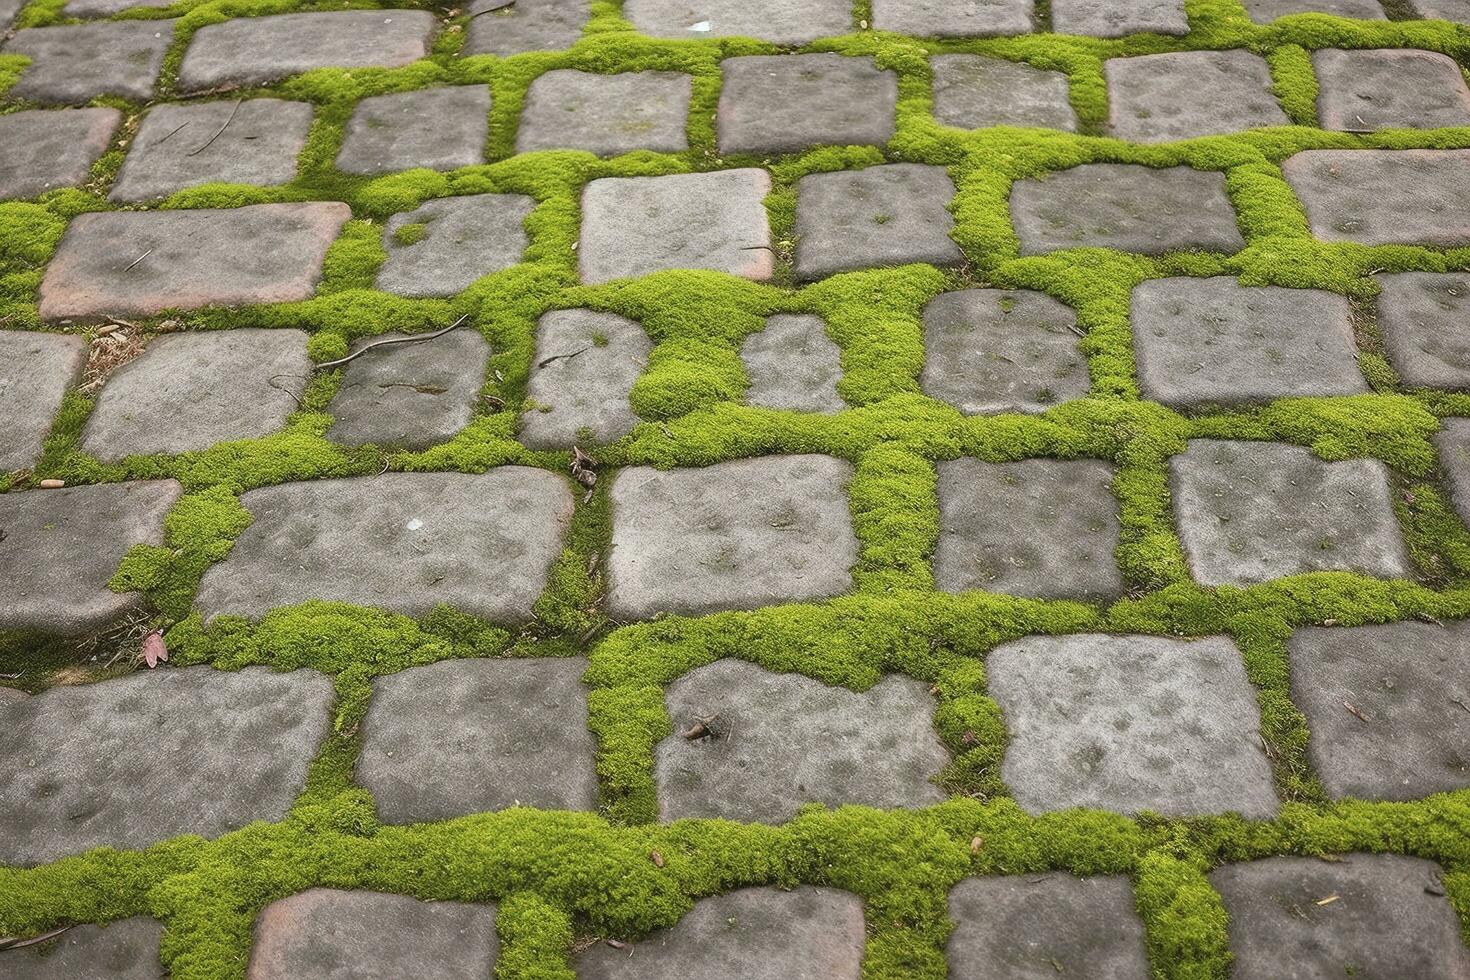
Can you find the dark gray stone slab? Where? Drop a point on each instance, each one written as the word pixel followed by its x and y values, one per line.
pixel 1039 927
pixel 1457 11
pixel 1421 316
pixel 124 950
pixel 39 368
pixel 953 18
pixel 106 8
pixel 1265 11
pixel 606 114
pixel 61 547
pixel 696 540
pixel 406 542
pixel 75 63
pixel 1127 207
pixel 470 736
pixel 632 226
pixel 1384 197
pixel 1183 94
pixel 1117 18
pixel 1249 512
pixel 134 761
pixel 882 216
pixel 1388 89
pixel 784 103
pixel 1453 443
pixel 1043 528
pixel 793 364
pixel 972 92
pixel 992 350
pixel 582 395
pixel 1131 723
pixel 409 395
pixel 779 21
pixel 41 150
pixel 444 245
pixel 437 128
pixel 1215 341
pixel 119 263
pixel 1388 918
pixel 525 25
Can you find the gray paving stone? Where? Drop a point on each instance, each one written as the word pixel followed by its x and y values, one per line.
pixel 1184 94
pixel 1265 11
pixel 1410 681
pixel 257 50
pixel 1389 918
pixel 134 761
pixel 783 740
pixel 61 547
pixel 793 364
pixel 470 736
pixel 582 395
pixel 106 8
pixel 504 28
pixel 444 245
pixel 41 150
pixel 696 540
pixel 1420 315
pixel 632 226
pixel 1214 341
pixel 1453 443
pixel 778 21
pixel 327 934
pixel 1389 88
pixel 437 128
pixel 1056 537
pixel 1249 512
pixel 405 542
pixel 606 114
pixel 124 950
pixel 972 92
pixel 802 934
pixel 409 395
pixel 992 350
pixel 8 10
pixel 784 103
pixel 78 62
pixel 953 18
pixel 1116 18
pixel 182 145
pixel 1038 927
pixel 119 263
pixel 1384 197
pixel 1127 207
pixel 882 216
pixel 39 368
pixel 1457 11
pixel 1131 723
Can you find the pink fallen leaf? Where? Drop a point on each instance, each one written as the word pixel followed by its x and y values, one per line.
pixel 154 649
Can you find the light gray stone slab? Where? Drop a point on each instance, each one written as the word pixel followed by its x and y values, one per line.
pixel 1389 918
pixel 1265 11
pixel 504 28
pixel 606 114
pixel 1127 207
pixel 409 395
pixel 441 247
pixel 42 150
pixel 585 367
pixel 778 741
pixel 784 103
pixel 1214 341
pixel 124 950
pixel 953 18
pixel 137 760
pixel 470 736
pixel 8 10
pixel 1249 512
pixel 1389 88
pixel 632 226
pixel 1384 197
pixel 793 364
pixel 406 542
pixel 61 547
pixel 882 216
pixel 1456 11
pixel 106 8
pixel 1042 528
pixel 437 128
pixel 778 21
pixel 78 62
pixel 1131 724
pixel 1117 18
pixel 121 263
pixel 1421 316
pixel 38 369
pixel 1453 443
pixel 1179 95
pixel 972 91
pixel 697 540
pixel 993 350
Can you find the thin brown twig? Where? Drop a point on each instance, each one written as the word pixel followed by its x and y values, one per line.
pixel 418 338
pixel 561 357
pixel 139 259
pixel 18 943
pixel 171 132
pixel 219 132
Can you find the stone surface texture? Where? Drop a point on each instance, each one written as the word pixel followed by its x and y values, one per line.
pixel 1115 18
pixel 778 21
pixel 784 103
pixel 460 240
pixel 42 150
pixel 1180 95
pixel 1455 11
pixel 953 18
pixel 1265 11
pixel 1453 443
pixel 504 28
pixel 887 215
pixel 409 395
pixel 436 128
pixel 1384 197
pixel 1389 89
pixel 38 370
pixel 124 950
pixel 78 62
pixel 793 364
pixel 1421 317
pixel 106 8
pixel 606 114
pixel 972 92
pixel 586 364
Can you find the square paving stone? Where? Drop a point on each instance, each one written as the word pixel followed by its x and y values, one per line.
pixel 972 92
pixel 327 934
pixel 1215 341
pixel 793 364
pixel 1410 683
pixel 444 245
pixel 83 533
pixel 1453 443
pixel 1456 11
pixel 106 8
pixel 125 950
pixel 1039 927
pixel 257 50
pixel 1421 316
pixel 1384 197
pixel 1042 528
pixel 39 368
pixel 41 150
pixel 1388 918
pixel 778 21
pixel 632 226
pixel 1127 207
pixel 990 350
pixel 606 114
pixel 1265 11
pixel 1117 18
pixel 1389 88
pixel 1253 511
pixel 778 741
pixel 784 103
pixel 498 27
pixel 75 63
pixel 1180 95
pixel 251 142
pixel 585 367
pixel 1131 724
pixel 437 128
pixel 137 760
pixel 406 542
pixel 120 263
pixel 470 736
pixel 882 216
pixel 953 18
pixel 696 540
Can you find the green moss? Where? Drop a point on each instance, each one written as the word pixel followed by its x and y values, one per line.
pixel 410 234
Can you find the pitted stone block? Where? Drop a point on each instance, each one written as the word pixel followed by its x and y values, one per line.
pixel 1455 11
pixel 972 91
pixel 585 367
pixel 793 364
pixel 1265 11
pixel 42 150
pixel 1421 316
pixel 1117 18
pixel 1453 443
pixel 777 21
pixel 437 128
pixel 1384 197
pixel 887 215
pixel 38 370
pixel 1179 95
pixel 1388 89
pixel 125 950
pixel 788 102
pixel 409 395
pixel 498 27
pixel 606 114
pixel 78 62
pixel 953 18
pixel 441 247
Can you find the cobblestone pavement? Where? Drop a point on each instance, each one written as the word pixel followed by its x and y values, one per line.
pixel 761 488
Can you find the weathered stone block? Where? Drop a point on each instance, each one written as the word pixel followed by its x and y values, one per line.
pixel 972 92
pixel 1183 94
pixel 1453 443
pixel 1420 315
pixel 953 18
pixel 1117 18
pixel 778 21
pixel 78 62
pixel 409 395
pixel 784 103
pixel 125 950
pixel 42 150
pixel 1389 88
pixel 606 114
pixel 437 128
pixel 441 247
pixel 887 215
pixel 39 368
pixel 585 367
pixel 793 364
pixel 1384 197
pixel 1265 11
pixel 502 28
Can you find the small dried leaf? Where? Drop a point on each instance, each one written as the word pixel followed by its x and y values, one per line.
pixel 976 843
pixel 1328 900
pixel 51 484
pixel 617 944
pixel 658 859
pixel 154 649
